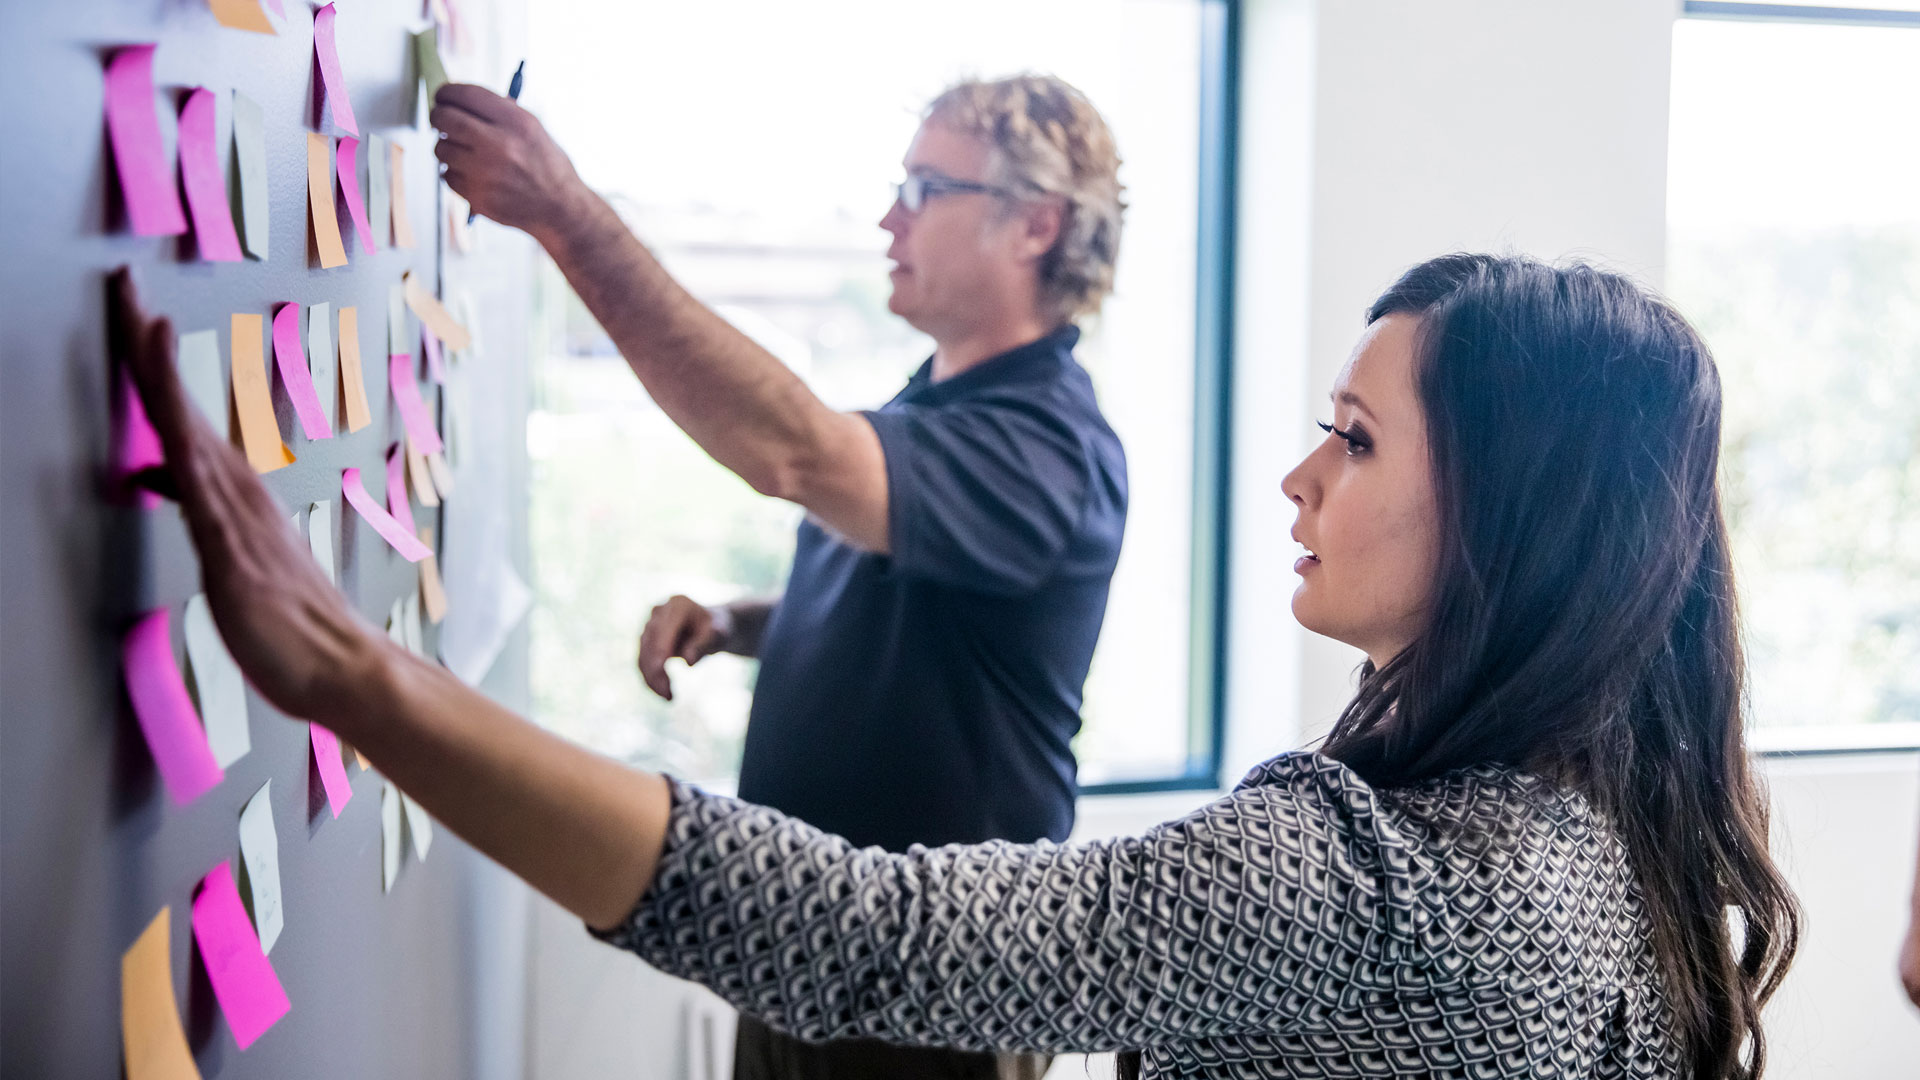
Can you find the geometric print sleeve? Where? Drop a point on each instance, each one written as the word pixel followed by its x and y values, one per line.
pixel 1281 903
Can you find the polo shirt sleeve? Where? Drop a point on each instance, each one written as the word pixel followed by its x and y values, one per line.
pixel 982 494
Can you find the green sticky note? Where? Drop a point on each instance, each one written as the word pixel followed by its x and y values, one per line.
pixel 426 49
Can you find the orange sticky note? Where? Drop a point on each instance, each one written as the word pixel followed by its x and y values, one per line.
pixel 422 480
pixel 359 415
pixel 241 15
pixel 438 319
pixel 432 595
pixel 402 228
pixel 150 1034
pixel 326 223
pixel 259 431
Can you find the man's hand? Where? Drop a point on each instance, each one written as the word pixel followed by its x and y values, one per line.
pixel 288 628
pixel 679 628
pixel 501 160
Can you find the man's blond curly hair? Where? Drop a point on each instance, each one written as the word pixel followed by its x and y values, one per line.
pixel 1048 140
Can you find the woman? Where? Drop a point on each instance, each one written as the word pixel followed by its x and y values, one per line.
pixel 1514 856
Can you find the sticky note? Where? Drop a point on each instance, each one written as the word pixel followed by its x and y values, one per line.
pixel 333 774
pixel 199 358
pixel 410 623
pixel 322 359
pixel 330 77
pixel 218 684
pixel 206 184
pixel 295 375
pixel 260 851
pixel 151 1037
pixel 458 230
pixel 241 15
pixel 259 431
pixel 419 477
pixel 397 503
pixel 165 712
pixel 435 317
pixel 320 538
pixel 250 159
pixel 133 126
pixel 442 473
pixel 433 596
pixel 353 381
pixel 397 323
pixel 136 443
pixel 435 369
pixel 392 848
pixel 408 545
pixel 464 312
pixel 243 981
pixel 396 623
pixel 326 223
pixel 413 411
pixel 379 207
pixel 419 826
pixel 347 160
pixel 402 228
pixel 277 9
pixel 426 49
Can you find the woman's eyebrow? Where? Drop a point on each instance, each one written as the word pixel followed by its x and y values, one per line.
pixel 1348 397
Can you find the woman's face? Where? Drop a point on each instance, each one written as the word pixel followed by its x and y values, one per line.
pixel 1366 503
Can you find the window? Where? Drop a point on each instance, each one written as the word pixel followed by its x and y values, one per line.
pixel 758 170
pixel 1794 244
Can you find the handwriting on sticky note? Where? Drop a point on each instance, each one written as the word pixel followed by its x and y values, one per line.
pixel 402 228
pixel 206 183
pixel 260 849
pixel 250 156
pixel 259 431
pixel 330 76
pixel 151 1037
pixel 165 712
pixel 133 126
pixel 397 503
pixel 408 545
pixel 326 221
pixel 218 684
pixel 333 771
pixel 295 375
pixel 349 170
pixel 353 380
pixel 436 318
pixel 243 980
pixel 413 411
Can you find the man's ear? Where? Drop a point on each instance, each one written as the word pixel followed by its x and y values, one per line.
pixel 1042 222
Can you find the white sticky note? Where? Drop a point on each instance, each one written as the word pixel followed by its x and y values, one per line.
pixel 379 210
pixel 205 375
pixel 250 160
pixel 419 825
pixel 320 538
pixel 391 850
pixel 399 335
pixel 260 848
pixel 323 359
pixel 396 624
pixel 410 622
pixel 218 685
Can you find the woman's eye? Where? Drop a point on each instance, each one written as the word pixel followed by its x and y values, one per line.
pixel 1356 443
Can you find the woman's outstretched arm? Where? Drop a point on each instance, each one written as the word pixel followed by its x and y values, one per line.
pixel 581 828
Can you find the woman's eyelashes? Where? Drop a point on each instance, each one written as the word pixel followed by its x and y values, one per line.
pixel 1355 437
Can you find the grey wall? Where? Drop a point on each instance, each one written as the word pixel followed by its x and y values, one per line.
pixel 424 982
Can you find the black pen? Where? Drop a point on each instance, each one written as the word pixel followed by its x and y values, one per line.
pixel 513 94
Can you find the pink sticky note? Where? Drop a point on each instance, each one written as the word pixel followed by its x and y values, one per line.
pixel 138 443
pixel 146 176
pixel 434 367
pixel 333 774
pixel 243 980
pixel 277 9
pixel 205 183
pixel 397 502
pixel 336 83
pixel 165 712
pixel 295 374
pixel 406 394
pixel 404 542
pixel 350 187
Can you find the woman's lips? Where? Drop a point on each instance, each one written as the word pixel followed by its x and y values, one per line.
pixel 1305 563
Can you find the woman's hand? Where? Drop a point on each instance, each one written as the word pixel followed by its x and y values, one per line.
pixel 289 629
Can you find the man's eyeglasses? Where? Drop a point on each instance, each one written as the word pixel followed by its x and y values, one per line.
pixel 914 191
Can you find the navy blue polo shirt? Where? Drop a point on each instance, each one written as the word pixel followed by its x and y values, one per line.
pixel 931 695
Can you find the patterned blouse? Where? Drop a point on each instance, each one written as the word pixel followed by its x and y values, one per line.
pixel 1483 924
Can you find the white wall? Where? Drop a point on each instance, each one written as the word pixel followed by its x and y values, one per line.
pixel 1376 133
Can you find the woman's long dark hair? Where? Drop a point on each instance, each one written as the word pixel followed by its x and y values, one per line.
pixel 1583 624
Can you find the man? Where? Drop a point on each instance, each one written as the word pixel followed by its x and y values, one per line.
pixel 921 677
